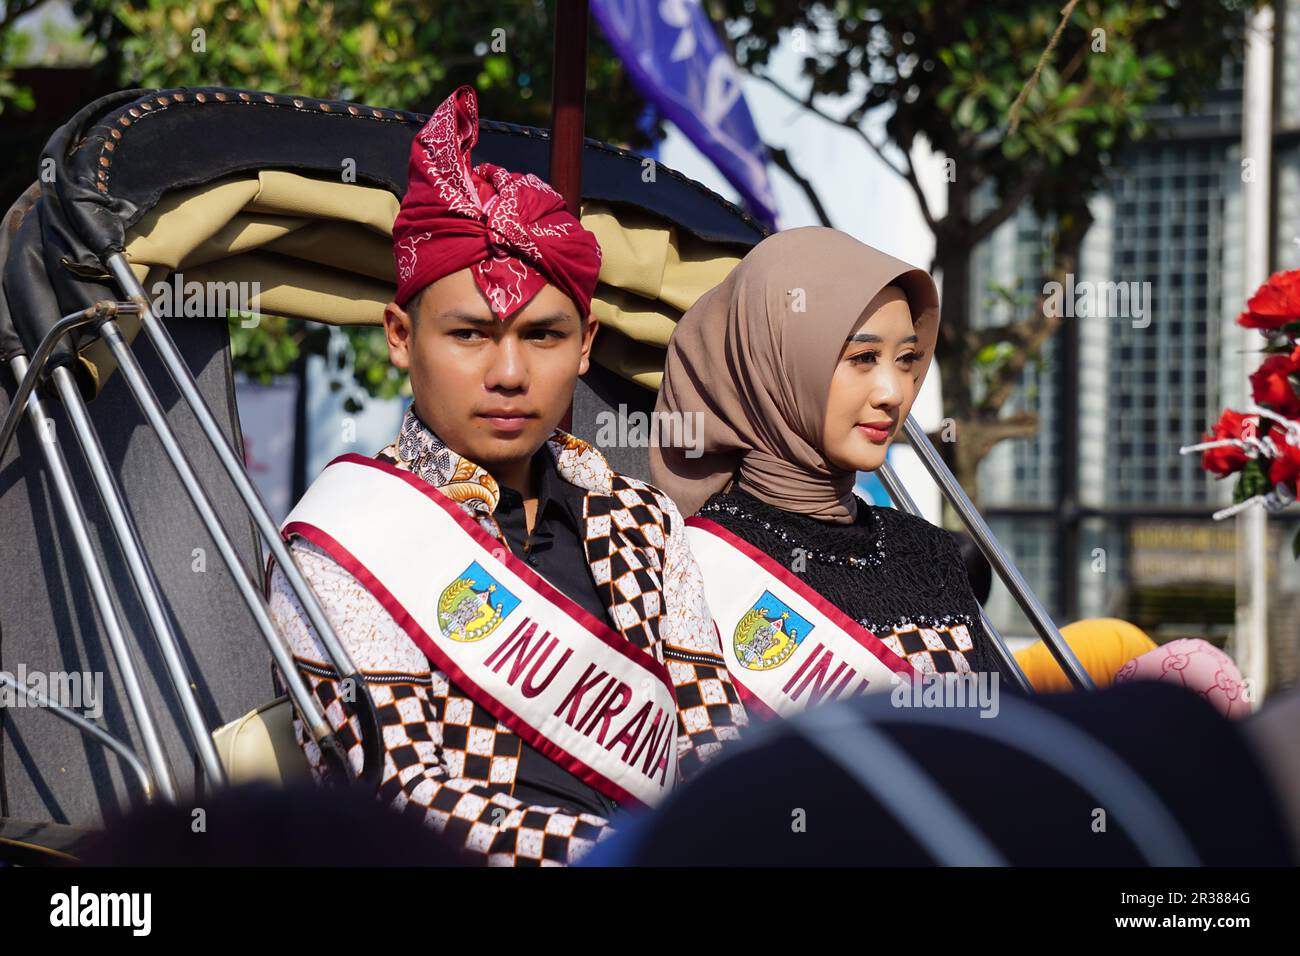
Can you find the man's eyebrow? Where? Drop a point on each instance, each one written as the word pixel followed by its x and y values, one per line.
pixel 876 339
pixel 473 318
pixel 554 318
pixel 461 315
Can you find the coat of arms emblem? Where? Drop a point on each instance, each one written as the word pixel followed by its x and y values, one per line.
pixel 768 633
pixel 472 605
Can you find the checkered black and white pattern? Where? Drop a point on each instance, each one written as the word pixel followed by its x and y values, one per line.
pixel 707 704
pixel 933 650
pixel 625 545
pixel 628 539
pixel 425 741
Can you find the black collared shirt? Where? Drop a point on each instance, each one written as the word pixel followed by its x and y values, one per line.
pixel 555 551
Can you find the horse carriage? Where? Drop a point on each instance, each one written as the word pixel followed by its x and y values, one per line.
pixel 119 461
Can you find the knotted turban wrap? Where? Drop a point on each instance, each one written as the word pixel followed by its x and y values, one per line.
pixel 512 231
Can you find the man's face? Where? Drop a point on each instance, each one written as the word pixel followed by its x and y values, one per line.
pixel 494 391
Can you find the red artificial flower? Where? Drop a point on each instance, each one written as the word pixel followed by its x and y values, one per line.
pixel 1270 384
pixel 1275 303
pixel 1227 459
pixel 1285 468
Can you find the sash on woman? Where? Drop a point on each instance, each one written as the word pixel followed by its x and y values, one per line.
pixel 787 648
pixel 564 681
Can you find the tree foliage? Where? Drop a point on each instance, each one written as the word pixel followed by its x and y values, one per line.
pixel 950 73
pixel 401 54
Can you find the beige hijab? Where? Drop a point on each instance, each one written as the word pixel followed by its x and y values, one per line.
pixel 755 356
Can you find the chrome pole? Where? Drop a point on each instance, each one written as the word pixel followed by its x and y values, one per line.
pixel 889 478
pixel 144 395
pixel 1001 561
pixel 99 592
pixel 141 572
pixel 124 752
pixel 1250 631
pixel 266 526
pixel 27 381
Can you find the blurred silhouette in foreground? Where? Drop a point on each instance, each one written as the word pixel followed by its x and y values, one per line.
pixel 1143 773
pixel 263 825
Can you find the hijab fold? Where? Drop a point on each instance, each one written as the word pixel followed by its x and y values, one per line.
pixel 755 355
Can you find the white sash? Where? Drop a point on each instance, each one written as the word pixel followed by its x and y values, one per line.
pixel 567 683
pixel 786 646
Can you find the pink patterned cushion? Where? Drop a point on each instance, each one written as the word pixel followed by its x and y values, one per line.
pixel 1196 665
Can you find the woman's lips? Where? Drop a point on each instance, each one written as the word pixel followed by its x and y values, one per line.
pixel 877 432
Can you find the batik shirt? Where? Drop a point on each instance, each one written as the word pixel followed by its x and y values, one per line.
pixel 447 759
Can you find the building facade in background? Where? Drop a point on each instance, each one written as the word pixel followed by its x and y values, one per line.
pixel 1141 544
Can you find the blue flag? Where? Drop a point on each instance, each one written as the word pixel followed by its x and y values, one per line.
pixel 674 57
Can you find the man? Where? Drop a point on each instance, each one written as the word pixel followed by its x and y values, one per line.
pixel 532 625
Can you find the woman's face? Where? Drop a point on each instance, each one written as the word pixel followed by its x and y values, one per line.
pixel 873 386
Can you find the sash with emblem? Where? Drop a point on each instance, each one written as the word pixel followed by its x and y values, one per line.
pixel 786 646
pixel 567 683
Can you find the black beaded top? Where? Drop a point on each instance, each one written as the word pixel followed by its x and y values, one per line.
pixel 897 575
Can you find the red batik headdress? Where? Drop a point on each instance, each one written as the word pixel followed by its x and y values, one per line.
pixel 513 231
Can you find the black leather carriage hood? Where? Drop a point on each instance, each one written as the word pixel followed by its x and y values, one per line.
pixel 112 162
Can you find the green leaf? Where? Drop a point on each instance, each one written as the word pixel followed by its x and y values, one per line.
pixel 1069 142
pixel 999 98
pixel 1252 481
pixel 995 353
pixel 966 111
pixel 498 68
pixel 1162 69
pixel 1013 147
pixel 1049 81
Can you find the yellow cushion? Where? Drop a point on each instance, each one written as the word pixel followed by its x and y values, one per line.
pixel 1103 645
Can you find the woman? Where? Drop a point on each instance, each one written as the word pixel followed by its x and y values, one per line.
pixel 804 364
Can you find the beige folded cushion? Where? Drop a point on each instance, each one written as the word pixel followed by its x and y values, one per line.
pixel 321 250
pixel 260 746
